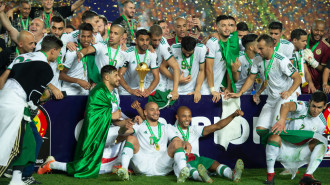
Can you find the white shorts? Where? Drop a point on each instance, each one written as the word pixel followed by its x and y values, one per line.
pixel 152 164
pixel 293 156
pixel 271 111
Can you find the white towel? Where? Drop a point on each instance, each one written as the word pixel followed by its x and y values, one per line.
pixel 233 129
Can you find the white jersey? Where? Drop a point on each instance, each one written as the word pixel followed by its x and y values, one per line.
pixel 76 70
pixel 219 65
pixel 143 136
pixel 164 52
pixel 73 37
pixel 244 72
pixel 240 44
pixel 279 75
pixel 298 55
pixel 307 122
pixel 102 56
pixel 195 132
pixel 286 48
pixel 198 58
pixel 33 56
pixel 131 77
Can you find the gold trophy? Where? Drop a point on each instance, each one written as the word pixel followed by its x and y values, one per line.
pixel 142 69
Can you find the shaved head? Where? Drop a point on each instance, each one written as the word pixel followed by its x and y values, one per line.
pixel 24 34
pixel 182 109
pixel 149 104
pixel 318 22
pixel 318 29
pixel 121 28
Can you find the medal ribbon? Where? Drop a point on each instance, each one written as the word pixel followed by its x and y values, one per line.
pixel 185 137
pixel 278 46
pixel 176 39
pixel 298 61
pixel 109 52
pixel 48 18
pixel 184 59
pixel 84 59
pixel 108 31
pixel 45 55
pixel 138 58
pixel 152 133
pixel 269 65
pixel 315 45
pixel 26 25
pixel 17 51
pixel 129 24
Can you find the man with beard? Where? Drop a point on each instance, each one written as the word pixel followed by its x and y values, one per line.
pixel 165 55
pixel 93 134
pixel 103 28
pixel 130 81
pixel 154 148
pixel 106 53
pixel 180 28
pixel 22 20
pixel 127 21
pixel 164 26
pixel 316 53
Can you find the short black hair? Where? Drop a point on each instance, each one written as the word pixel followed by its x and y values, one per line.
pixel 297 33
pixel 248 39
pixel 49 42
pixel 88 15
pixel 319 96
pixel 86 27
pixel 188 43
pixel 104 19
pixel 160 21
pixel 242 26
pixel 267 38
pixel 232 18
pixel 70 26
pixel 221 17
pixel 142 32
pixel 107 69
pixel 58 19
pixel 275 26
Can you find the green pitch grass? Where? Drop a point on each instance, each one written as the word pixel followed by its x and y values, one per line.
pixel 250 177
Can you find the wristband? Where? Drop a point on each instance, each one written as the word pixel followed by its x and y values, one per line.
pixel 81 54
pixel 212 89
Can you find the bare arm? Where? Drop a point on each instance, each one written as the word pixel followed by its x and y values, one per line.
pixel 155 81
pixel 309 80
pixel 63 76
pixel 13 33
pixel 249 81
pixel 222 123
pixel 200 77
pixel 176 73
pixel 325 79
pixel 124 84
pixel 164 70
pixel 77 4
pixel 209 72
pixel 85 51
pixel 279 126
pixel 296 83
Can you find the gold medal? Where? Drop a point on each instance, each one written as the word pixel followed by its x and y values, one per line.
pixel 157 147
pixel 301 74
pixel 318 51
pixel 266 82
pixel 48 30
pixel 60 67
pixel 258 80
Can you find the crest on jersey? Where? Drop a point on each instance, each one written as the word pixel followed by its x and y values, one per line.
pixel 318 51
pixel 291 68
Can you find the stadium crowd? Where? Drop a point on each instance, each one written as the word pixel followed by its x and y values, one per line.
pixel 104 59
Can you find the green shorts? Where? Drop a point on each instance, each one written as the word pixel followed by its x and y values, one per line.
pixel 206 162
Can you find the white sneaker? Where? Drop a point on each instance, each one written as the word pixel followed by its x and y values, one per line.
pixel 237 173
pixel 184 174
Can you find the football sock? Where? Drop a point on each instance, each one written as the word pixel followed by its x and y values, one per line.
pixel 195 175
pixel 127 154
pixel 224 171
pixel 272 151
pixel 180 158
pixel 316 158
pixel 58 166
pixel 17 176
